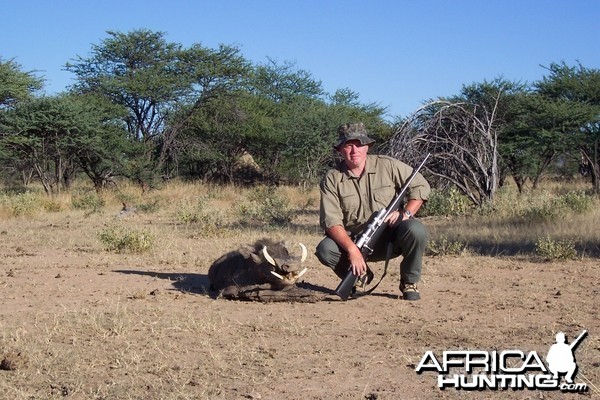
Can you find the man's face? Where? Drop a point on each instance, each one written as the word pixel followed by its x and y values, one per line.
pixel 354 152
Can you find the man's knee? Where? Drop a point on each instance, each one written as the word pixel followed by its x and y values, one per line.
pixel 328 252
pixel 414 230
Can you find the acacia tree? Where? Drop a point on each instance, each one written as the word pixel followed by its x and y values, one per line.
pixel 542 130
pixel 59 135
pixel 15 86
pixel 579 88
pixel 290 96
pixel 37 132
pixel 161 84
pixel 257 119
pixel 304 119
pixel 216 137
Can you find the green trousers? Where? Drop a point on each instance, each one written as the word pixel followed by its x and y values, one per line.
pixel 408 239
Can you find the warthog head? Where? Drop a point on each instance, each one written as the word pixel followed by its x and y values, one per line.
pixel 283 259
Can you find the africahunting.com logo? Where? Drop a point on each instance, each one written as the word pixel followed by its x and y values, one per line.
pixel 508 369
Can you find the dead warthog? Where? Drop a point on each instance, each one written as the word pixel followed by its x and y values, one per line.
pixel 265 265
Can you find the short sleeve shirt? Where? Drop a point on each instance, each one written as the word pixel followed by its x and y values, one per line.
pixel 350 200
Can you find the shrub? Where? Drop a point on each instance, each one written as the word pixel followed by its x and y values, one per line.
pixel 210 224
pixel 121 239
pixel 447 202
pixel 52 205
pixel 150 206
pixel 444 247
pixel 553 250
pixel 545 211
pixel 265 206
pixel 25 203
pixel 554 207
pixel 575 201
pixel 87 200
pixel 190 212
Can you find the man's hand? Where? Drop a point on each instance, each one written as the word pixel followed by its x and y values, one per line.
pixel 394 218
pixel 357 262
pixel 355 257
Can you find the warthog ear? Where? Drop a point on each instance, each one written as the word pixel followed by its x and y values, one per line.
pixel 246 251
pixel 268 257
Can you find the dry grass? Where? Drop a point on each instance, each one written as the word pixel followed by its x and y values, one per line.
pixel 84 323
pixel 517 222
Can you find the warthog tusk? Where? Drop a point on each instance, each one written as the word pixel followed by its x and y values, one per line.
pixel 277 275
pixel 304 253
pixel 268 257
pixel 301 273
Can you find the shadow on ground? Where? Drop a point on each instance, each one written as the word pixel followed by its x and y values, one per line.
pixel 185 282
pixel 199 283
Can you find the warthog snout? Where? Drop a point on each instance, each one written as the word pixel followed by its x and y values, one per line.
pixel 283 270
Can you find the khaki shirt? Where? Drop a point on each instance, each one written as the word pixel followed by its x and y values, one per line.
pixel 350 200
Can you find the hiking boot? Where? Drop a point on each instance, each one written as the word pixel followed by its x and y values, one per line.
pixel 409 291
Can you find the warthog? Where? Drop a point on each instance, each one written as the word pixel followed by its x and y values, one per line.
pixel 266 265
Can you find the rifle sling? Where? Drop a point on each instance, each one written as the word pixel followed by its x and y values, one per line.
pixel 388 255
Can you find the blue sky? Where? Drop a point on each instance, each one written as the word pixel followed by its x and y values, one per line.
pixel 397 54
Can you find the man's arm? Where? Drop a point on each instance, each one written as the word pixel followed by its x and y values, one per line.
pixel 413 205
pixel 355 257
pixel 396 217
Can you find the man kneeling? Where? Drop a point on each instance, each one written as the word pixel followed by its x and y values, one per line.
pixel 361 185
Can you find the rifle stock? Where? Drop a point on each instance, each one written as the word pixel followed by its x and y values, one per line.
pixel 345 287
pixel 366 240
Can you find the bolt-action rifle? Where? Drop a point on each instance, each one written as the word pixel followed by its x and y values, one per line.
pixel 366 241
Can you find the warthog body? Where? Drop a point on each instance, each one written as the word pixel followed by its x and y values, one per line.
pixel 266 264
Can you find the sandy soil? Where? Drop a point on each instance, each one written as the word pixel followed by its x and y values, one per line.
pixel 79 322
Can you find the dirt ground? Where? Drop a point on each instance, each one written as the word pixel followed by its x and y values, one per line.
pixel 79 322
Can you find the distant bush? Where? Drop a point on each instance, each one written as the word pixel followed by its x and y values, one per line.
pixel 209 223
pixel 553 250
pixel 191 211
pixel 265 206
pixel 578 202
pixel 554 207
pixel 445 247
pixel 24 204
pixel 150 206
pixel 51 204
pixel 541 212
pixel 87 200
pixel 121 239
pixel 446 203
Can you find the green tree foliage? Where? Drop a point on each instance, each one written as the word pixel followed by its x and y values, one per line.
pixel 305 121
pixel 138 71
pixel 192 111
pixel 161 84
pixel 292 98
pixel 56 136
pixel 542 130
pixel 282 117
pixel 216 136
pixel 578 88
pixel 16 85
